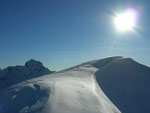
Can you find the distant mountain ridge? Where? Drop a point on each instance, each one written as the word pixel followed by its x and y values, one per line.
pixel 15 74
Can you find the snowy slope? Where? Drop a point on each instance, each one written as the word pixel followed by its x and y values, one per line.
pixel 73 90
pixel 12 75
pixel 126 83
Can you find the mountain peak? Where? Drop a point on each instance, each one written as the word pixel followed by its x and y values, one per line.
pixel 33 63
pixel 105 61
pixel 15 74
pixel 124 80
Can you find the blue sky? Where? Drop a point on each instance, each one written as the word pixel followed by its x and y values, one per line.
pixel 64 33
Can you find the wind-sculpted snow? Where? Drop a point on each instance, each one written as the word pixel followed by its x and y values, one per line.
pixel 82 89
pixel 28 98
pixel 126 83
pixel 74 90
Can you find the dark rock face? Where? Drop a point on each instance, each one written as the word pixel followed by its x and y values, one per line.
pixel 126 83
pixel 12 75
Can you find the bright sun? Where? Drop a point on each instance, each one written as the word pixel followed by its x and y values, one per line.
pixel 126 21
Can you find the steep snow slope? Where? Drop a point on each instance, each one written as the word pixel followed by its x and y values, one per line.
pixel 126 83
pixel 12 75
pixel 74 90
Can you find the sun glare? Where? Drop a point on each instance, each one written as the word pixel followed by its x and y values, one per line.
pixel 126 21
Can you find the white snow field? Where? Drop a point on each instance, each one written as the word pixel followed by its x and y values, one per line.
pixel 73 90
pixel 126 83
pixel 109 85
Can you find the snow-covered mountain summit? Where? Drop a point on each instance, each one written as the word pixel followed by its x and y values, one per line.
pixel 126 83
pixel 15 74
pixel 82 89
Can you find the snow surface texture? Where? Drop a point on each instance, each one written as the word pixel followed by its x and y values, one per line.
pixel 12 75
pixel 73 90
pixel 126 83
pixel 76 90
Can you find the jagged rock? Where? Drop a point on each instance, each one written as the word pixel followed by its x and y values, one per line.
pixel 15 74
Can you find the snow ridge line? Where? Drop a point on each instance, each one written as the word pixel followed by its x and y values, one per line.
pixel 98 91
